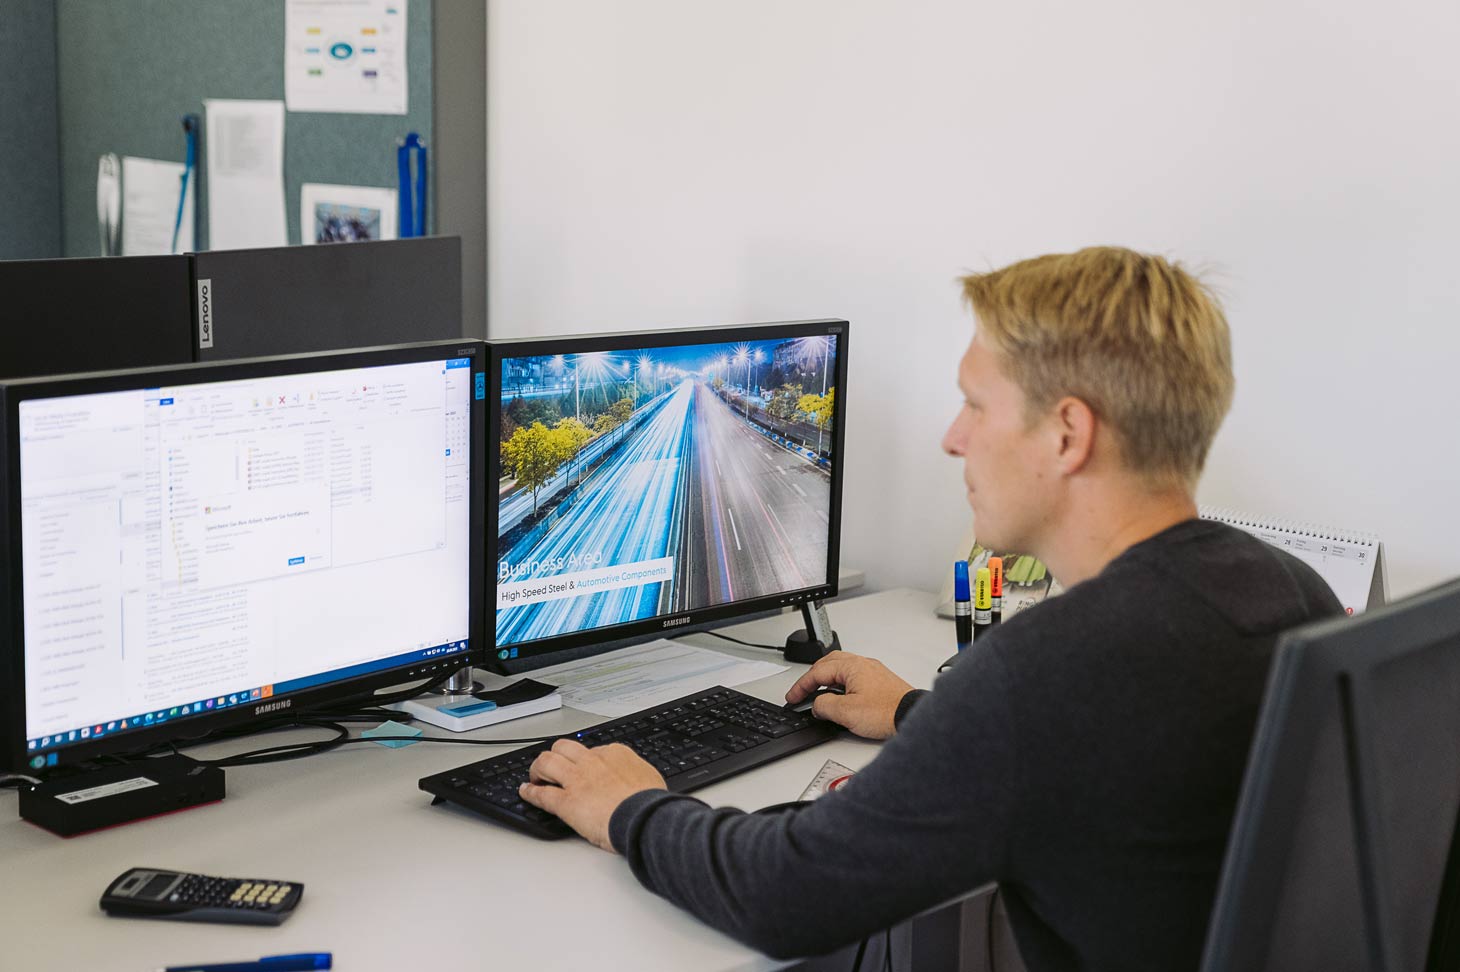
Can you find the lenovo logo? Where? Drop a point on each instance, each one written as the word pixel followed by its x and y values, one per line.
pixel 272 707
pixel 675 622
pixel 205 313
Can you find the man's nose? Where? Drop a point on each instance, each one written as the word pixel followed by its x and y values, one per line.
pixel 953 439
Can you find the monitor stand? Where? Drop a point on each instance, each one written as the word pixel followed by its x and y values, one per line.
pixel 453 692
pixel 816 639
pixel 462 704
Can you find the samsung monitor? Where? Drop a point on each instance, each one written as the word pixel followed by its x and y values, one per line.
pixel 1342 855
pixel 659 481
pixel 202 546
pixel 70 315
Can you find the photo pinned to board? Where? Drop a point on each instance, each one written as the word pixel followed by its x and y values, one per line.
pixel 346 214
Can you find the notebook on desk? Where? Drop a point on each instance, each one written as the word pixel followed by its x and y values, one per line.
pixel 1352 562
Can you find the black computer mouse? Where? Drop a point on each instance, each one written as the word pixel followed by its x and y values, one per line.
pixel 805 704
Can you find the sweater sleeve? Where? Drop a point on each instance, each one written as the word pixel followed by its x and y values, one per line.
pixel 912 698
pixel 928 819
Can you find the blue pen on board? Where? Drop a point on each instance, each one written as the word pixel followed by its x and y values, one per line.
pixel 962 605
pixel 304 962
pixel 412 202
pixel 190 133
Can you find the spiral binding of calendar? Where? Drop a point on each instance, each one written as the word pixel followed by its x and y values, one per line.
pixel 1302 528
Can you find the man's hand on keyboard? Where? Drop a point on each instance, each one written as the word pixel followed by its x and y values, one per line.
pixel 872 693
pixel 584 786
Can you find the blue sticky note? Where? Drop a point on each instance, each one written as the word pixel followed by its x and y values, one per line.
pixel 392 729
pixel 467 708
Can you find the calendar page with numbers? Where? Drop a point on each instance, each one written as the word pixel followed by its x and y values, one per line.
pixel 1351 562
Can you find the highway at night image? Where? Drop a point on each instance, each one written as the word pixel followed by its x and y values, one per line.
pixel 652 482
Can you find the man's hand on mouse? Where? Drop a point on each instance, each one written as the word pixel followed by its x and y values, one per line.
pixel 872 693
pixel 585 786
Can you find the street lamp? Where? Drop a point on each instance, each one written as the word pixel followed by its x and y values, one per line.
pixel 646 364
pixel 742 357
pixel 807 350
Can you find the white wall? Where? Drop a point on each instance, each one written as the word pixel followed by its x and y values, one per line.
pixel 654 163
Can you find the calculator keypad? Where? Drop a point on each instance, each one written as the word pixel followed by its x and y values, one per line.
pixel 201 891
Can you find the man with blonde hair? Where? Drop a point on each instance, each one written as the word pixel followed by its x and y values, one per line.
pixel 1087 753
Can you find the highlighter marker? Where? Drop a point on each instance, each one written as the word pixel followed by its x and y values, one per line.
pixel 982 603
pixel 996 589
pixel 962 605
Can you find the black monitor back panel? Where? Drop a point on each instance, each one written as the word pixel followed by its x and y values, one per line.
pixel 64 316
pixel 327 297
pixel 1342 855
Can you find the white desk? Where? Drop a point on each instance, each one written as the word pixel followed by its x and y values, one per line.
pixel 392 883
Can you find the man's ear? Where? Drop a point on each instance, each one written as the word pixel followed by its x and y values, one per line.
pixel 1074 425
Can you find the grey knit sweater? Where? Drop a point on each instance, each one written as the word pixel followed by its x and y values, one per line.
pixel 1086 754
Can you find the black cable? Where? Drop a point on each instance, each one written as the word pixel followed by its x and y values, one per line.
pixel 369 710
pixel 748 644
pixel 299 750
pixel 887 950
pixel 861 950
pixel 380 701
pixel 277 754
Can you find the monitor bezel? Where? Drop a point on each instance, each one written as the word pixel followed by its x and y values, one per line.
pixel 13 751
pixel 543 652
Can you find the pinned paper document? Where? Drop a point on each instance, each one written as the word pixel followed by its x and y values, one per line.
pixel 346 56
pixel 151 191
pixel 246 174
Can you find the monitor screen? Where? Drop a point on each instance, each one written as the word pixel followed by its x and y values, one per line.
pixel 196 543
pixel 650 481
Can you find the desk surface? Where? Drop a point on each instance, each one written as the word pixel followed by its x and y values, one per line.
pixel 393 883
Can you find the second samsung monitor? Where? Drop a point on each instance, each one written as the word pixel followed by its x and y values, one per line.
pixel 656 480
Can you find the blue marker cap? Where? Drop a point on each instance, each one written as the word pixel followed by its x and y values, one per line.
pixel 960 581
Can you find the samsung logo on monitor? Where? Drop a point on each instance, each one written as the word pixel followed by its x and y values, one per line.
pixel 675 622
pixel 272 707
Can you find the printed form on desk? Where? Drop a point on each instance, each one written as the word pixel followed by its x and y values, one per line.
pixel 625 681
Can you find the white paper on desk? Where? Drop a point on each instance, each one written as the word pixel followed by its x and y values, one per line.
pixel 345 56
pixel 631 679
pixel 150 189
pixel 246 174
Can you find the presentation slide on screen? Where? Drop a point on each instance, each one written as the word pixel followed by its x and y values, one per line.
pixel 652 481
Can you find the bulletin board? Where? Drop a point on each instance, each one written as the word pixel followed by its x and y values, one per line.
pixel 128 72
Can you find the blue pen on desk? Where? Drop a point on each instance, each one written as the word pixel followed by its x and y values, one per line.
pixel 962 605
pixel 269 963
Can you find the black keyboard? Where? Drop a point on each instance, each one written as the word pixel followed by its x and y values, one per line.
pixel 693 742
